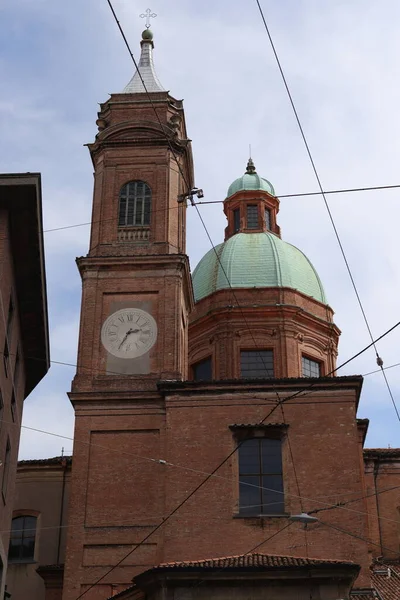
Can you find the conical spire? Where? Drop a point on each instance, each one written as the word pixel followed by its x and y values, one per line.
pixel 146 69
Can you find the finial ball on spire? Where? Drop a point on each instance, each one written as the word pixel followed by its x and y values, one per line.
pixel 147 35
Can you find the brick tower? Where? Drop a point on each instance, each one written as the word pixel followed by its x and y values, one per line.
pixel 155 413
pixel 136 297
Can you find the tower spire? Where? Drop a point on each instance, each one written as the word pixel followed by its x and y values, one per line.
pixel 145 68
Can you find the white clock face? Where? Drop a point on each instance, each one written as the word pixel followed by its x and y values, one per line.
pixel 129 333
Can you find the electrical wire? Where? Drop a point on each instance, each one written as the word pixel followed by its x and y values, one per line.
pixel 360 498
pixel 188 186
pixel 373 494
pixel 358 537
pixel 314 168
pixel 279 400
pixel 379 370
pixel 342 191
pixel 221 569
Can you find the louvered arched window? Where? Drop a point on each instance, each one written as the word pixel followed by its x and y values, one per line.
pixel 134 204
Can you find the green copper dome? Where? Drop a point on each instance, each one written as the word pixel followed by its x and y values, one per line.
pixel 256 260
pixel 250 181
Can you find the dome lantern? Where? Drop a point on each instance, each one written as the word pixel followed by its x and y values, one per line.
pixel 251 204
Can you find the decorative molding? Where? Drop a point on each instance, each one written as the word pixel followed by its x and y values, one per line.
pixel 133 234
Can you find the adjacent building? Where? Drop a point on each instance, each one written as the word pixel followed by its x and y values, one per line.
pixel 37 548
pixel 24 338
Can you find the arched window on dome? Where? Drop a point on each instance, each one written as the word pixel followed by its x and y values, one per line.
pixel 134 204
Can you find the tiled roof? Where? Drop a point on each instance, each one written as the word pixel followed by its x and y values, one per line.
pixel 386 579
pixel 381 452
pixel 46 461
pixel 123 593
pixel 258 561
pixel 363 595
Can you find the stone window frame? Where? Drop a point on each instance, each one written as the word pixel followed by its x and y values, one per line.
pixel 130 205
pixel 244 432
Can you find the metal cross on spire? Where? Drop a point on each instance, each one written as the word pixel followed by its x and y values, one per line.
pixel 148 15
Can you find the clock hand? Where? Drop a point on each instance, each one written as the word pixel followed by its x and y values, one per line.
pixel 127 334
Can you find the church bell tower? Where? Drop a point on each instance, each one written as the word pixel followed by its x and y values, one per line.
pixel 136 298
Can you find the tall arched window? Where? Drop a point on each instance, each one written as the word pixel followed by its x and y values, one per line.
pixel 134 204
pixel 22 539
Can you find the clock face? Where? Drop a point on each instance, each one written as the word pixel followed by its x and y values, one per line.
pixel 129 333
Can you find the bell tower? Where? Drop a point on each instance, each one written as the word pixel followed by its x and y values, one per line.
pixel 142 161
pixel 136 298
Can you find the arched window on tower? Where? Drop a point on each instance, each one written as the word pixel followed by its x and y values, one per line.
pixel 134 204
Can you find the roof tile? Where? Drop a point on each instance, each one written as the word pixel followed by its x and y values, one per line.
pixel 386 579
pixel 254 561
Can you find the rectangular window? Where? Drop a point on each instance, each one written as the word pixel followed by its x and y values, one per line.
pixel 260 477
pixel 252 216
pixel 202 370
pixel 22 539
pixel 267 218
pixel 311 368
pixel 236 220
pixel 6 470
pixel 256 363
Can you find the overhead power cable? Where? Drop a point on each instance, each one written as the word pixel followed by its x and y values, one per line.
pixel 207 478
pixel 323 194
pixel 188 186
pixel 333 506
pixel 358 537
pixel 191 494
pixel 343 191
pixel 379 370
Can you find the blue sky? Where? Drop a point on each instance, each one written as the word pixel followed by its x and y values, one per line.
pixel 59 60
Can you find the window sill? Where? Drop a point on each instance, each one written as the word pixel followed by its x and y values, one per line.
pixel 27 561
pixel 262 516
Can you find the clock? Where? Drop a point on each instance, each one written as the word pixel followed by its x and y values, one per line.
pixel 129 333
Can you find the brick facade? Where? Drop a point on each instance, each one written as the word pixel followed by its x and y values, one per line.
pixel 23 326
pixel 145 436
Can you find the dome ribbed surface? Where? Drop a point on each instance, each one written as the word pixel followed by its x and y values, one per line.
pixel 250 181
pixel 256 260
